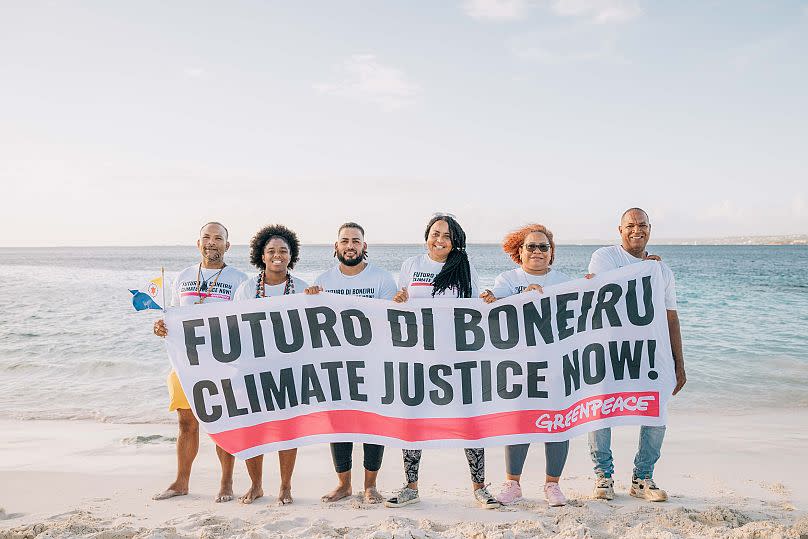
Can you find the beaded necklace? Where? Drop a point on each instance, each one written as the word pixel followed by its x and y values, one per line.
pixel 202 284
pixel 289 288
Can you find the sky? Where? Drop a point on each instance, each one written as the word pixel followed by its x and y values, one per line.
pixel 133 123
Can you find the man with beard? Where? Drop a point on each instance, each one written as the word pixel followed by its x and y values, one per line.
pixel 635 231
pixel 354 277
pixel 209 281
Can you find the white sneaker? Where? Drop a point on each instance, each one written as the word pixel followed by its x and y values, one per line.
pixel 647 490
pixel 405 496
pixel 604 488
pixel 553 495
pixel 485 499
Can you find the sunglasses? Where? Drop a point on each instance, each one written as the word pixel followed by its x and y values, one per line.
pixel 543 247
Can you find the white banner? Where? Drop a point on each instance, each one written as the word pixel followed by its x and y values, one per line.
pixel 281 372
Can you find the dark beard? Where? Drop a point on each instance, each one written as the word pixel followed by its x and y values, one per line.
pixel 350 262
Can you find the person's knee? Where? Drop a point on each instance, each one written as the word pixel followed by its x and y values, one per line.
pixel 187 422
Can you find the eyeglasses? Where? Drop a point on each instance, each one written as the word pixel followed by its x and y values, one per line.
pixel 543 247
pixel 443 214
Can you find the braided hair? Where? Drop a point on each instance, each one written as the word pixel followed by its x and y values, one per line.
pixel 456 272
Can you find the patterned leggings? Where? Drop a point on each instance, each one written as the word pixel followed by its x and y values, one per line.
pixel 476 458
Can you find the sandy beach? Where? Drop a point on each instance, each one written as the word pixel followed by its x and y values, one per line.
pixel 731 476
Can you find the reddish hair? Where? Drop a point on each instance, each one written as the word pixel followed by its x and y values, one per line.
pixel 514 241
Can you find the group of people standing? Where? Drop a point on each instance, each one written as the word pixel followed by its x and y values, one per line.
pixel 443 271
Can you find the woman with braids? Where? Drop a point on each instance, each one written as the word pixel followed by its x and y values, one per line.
pixel 274 250
pixel 443 271
pixel 533 248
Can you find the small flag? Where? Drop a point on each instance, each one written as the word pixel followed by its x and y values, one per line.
pixel 148 298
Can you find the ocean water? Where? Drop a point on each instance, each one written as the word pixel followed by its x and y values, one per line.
pixel 72 347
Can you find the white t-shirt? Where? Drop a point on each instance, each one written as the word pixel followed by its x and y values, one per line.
pixel 614 256
pixel 514 281
pixel 371 282
pixel 248 288
pixel 189 281
pixel 418 273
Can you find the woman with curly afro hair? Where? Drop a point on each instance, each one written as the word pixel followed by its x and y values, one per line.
pixel 274 250
pixel 533 249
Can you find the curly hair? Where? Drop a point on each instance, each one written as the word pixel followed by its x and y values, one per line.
pixel 262 237
pixel 514 241
pixel 456 272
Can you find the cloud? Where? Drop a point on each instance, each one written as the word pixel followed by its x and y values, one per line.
pixel 598 11
pixel 569 44
pixel 364 78
pixel 498 10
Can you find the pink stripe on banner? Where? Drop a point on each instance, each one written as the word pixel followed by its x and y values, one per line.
pixel 420 284
pixel 452 428
pixel 205 294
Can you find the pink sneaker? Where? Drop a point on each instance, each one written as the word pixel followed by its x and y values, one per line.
pixel 553 495
pixel 511 493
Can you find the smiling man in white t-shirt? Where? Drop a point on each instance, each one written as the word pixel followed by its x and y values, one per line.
pixel 209 281
pixel 354 276
pixel 635 231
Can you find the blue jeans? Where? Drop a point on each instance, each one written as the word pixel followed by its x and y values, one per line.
pixel 600 447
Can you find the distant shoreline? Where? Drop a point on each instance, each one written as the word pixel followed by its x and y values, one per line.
pixel 738 241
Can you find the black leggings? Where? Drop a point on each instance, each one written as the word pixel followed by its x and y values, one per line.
pixel 341 453
pixel 475 458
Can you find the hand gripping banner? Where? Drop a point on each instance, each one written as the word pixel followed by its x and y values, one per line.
pixel 275 373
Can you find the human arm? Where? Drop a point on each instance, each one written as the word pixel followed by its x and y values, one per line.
pixel 488 296
pixel 401 296
pixel 387 288
pixel 675 333
pixel 503 287
pixel 475 281
pixel 160 328
pixel 404 279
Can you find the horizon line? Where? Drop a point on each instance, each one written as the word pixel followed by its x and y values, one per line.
pixel 776 239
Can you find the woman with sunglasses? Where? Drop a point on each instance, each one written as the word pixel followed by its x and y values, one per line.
pixel 533 248
pixel 443 271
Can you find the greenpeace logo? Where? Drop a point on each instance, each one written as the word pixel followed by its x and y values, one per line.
pixel 620 404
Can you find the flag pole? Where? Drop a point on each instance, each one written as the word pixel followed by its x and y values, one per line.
pixel 163 285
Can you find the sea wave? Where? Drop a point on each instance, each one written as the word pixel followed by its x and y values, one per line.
pixel 72 347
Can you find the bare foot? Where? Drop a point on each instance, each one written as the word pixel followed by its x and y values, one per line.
pixel 170 492
pixel 285 496
pixel 339 493
pixel 372 495
pixel 225 494
pixel 251 495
